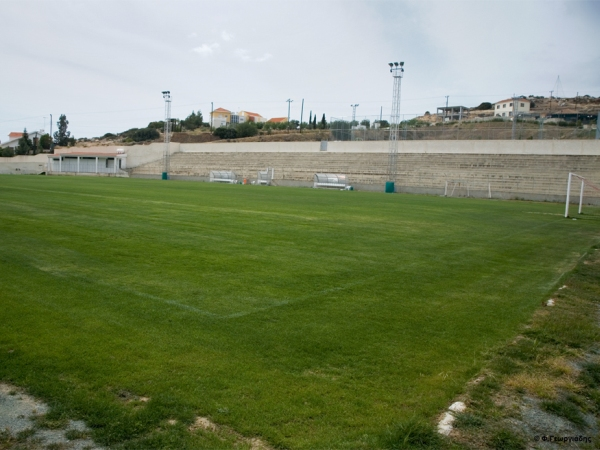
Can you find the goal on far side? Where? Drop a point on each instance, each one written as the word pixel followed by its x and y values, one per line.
pixel 585 184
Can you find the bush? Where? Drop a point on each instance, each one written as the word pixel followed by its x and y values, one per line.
pixel 246 129
pixel 225 133
pixel 157 125
pixel 7 152
pixel 109 136
pixel 145 134
pixel 484 106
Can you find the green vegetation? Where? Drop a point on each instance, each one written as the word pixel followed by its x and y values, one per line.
pixel 145 134
pixel 308 318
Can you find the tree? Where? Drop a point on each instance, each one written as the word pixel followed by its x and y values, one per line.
pixel 7 152
pixel 366 123
pixel 160 125
pixel 24 144
pixel 484 106
pixel 314 124
pixel 246 129
pixel 192 121
pixel 145 134
pixel 61 137
pixel 323 124
pixel 310 120
pixel 45 142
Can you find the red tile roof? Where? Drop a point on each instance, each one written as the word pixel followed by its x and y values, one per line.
pixel 278 119
pixel 252 114
pixel 221 110
pixel 15 134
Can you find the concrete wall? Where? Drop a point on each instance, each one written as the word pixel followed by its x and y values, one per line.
pixel 517 147
pixel 24 165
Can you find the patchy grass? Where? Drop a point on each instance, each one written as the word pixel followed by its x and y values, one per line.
pixel 551 372
pixel 305 318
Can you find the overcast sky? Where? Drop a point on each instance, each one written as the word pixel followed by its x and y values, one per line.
pixel 105 63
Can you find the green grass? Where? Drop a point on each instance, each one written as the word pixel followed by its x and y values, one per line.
pixel 309 318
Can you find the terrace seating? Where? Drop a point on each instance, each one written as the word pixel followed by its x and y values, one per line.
pixel 507 175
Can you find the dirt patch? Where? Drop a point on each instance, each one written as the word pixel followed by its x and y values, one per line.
pixel 22 425
pixel 204 423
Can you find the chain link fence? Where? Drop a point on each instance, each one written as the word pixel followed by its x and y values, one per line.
pixel 412 129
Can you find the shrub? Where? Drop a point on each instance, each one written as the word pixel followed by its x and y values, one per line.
pixel 145 134
pixel 246 129
pixel 225 133
pixel 484 106
pixel 7 152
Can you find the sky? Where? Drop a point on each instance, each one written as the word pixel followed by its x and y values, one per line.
pixel 104 63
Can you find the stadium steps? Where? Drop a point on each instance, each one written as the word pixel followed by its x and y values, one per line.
pixel 507 173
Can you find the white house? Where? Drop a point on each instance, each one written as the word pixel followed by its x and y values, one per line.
pixel 13 138
pixel 510 106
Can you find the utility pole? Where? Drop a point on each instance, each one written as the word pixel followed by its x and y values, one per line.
pixel 301 114
pixel 446 110
pixel 289 104
pixel 354 112
pixel 514 117
pixel 380 115
pixel 211 116
pixel 550 102
pixel 397 71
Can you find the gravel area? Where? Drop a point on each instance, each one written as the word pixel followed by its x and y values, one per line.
pixel 19 418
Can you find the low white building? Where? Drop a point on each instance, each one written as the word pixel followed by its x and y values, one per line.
pixel 88 163
pixel 512 106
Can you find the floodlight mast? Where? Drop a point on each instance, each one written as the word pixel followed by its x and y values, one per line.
pixel 167 132
pixel 397 71
pixel 354 112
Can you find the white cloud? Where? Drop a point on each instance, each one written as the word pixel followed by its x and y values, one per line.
pixel 245 56
pixel 264 57
pixel 207 49
pixel 227 36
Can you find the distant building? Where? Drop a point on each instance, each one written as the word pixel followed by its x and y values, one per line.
pixel 505 108
pixel 14 136
pixel 220 117
pixel 251 117
pixel 277 120
pixel 449 113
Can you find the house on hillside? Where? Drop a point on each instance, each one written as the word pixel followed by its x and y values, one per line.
pixel 220 117
pixel 506 108
pixel 277 120
pixel 14 136
pixel 251 117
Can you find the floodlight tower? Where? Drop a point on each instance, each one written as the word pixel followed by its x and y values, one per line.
pixel 354 112
pixel 167 132
pixel 397 71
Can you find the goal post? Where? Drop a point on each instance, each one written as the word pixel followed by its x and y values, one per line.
pixel 584 183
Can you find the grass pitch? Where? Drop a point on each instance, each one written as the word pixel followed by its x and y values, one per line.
pixel 308 318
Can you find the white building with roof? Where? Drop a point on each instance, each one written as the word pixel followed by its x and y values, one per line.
pixel 512 106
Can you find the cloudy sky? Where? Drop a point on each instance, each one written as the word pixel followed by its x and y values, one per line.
pixel 105 63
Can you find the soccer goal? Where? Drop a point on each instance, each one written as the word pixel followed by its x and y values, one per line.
pixel 584 184
pixel 462 187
